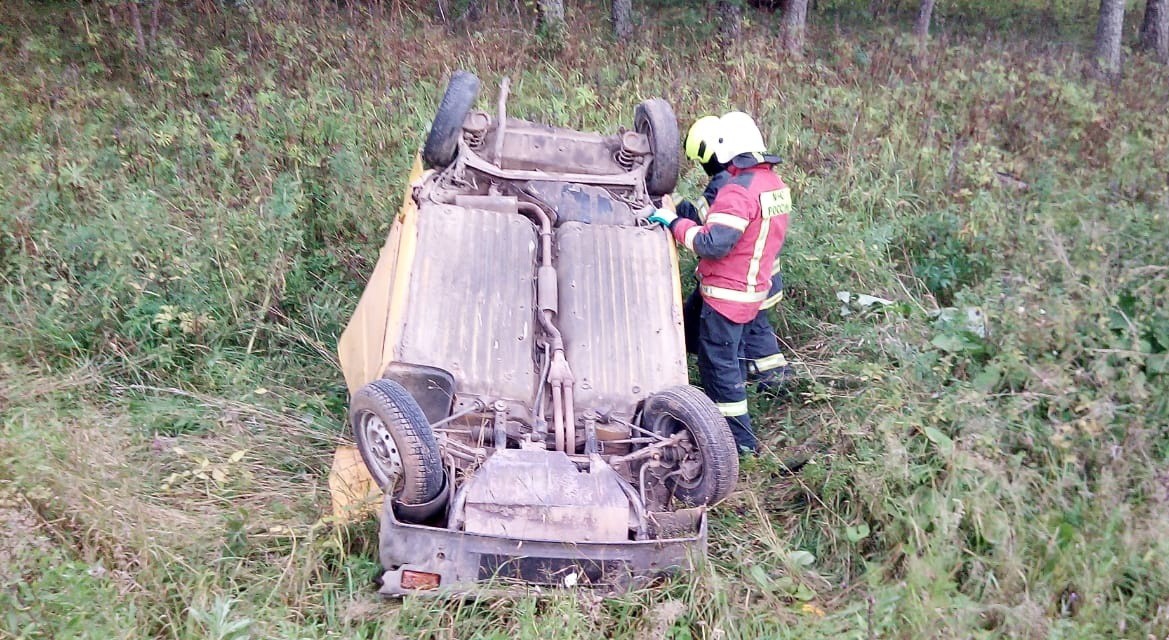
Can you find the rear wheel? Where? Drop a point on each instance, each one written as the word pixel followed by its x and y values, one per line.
pixel 442 143
pixel 396 442
pixel 707 461
pixel 655 119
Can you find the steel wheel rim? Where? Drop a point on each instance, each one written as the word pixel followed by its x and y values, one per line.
pixel 382 447
pixel 693 452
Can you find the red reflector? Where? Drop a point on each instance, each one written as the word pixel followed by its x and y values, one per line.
pixel 420 580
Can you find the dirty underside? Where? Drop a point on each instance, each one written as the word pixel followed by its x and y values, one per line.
pixel 617 311
pixel 541 495
pixel 470 308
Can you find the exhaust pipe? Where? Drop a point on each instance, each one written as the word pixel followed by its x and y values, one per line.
pixel 560 376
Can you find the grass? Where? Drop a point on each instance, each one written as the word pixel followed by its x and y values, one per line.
pixel 183 237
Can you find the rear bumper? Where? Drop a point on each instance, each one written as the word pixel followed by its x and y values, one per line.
pixel 469 562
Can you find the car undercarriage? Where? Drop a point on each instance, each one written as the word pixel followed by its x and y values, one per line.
pixel 517 362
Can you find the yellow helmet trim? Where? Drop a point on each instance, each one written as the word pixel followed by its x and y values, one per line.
pixel 701 139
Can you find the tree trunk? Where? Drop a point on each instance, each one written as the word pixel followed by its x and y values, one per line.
pixel 730 23
pixel 136 22
pixel 154 23
pixel 795 17
pixel 1155 30
pixel 1109 30
pixel 551 16
pixel 622 19
pixel 921 30
pixel 551 31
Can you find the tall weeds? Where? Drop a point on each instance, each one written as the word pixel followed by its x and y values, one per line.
pixel 184 235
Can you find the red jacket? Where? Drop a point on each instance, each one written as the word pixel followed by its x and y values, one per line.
pixel 743 234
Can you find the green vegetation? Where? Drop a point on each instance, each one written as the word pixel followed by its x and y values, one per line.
pixel 182 237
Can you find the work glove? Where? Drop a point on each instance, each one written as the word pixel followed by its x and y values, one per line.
pixel 665 214
pixel 686 209
pixel 664 217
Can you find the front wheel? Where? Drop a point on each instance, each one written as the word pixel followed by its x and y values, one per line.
pixel 655 119
pixel 442 143
pixel 707 460
pixel 396 442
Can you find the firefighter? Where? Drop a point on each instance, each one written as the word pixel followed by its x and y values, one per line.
pixel 760 354
pixel 737 246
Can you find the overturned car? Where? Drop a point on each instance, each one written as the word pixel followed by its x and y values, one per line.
pixel 517 366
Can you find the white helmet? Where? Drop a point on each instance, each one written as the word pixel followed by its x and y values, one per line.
pixel 738 135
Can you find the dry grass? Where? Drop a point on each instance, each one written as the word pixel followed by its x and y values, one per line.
pixel 183 238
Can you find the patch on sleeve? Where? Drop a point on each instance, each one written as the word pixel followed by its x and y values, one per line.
pixel 776 203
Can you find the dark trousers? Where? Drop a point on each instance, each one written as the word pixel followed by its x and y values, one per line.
pixel 759 356
pixel 759 342
pixel 722 371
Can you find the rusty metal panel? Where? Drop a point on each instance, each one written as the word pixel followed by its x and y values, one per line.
pixel 527 145
pixel 458 556
pixel 470 304
pixel 582 203
pixel 620 313
pixel 535 494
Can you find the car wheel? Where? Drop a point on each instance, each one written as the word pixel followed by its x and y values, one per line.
pixel 655 118
pixel 442 143
pixel 396 442
pixel 707 462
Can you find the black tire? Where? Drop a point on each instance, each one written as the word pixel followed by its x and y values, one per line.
pixel 388 423
pixel 442 143
pixel 687 407
pixel 655 119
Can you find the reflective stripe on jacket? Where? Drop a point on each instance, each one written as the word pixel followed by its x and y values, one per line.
pixel 740 240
